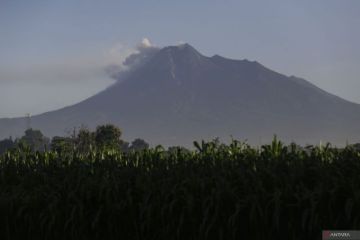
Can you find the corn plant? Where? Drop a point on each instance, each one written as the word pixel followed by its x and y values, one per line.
pixel 216 191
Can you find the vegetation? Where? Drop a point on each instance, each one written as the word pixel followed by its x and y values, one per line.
pixel 215 192
pixel 139 144
pixel 6 144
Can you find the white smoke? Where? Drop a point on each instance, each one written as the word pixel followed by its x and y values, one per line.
pixel 146 43
pixel 135 58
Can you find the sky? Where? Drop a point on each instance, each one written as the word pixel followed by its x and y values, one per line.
pixel 54 53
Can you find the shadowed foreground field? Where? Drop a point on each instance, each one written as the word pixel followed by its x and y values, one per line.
pixel 216 192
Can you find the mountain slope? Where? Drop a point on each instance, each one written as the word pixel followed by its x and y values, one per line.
pixel 179 95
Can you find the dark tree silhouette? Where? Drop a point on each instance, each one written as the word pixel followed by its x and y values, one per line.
pixel 85 140
pixel 108 136
pixel 357 146
pixel 34 139
pixel 6 144
pixel 139 144
pixel 62 144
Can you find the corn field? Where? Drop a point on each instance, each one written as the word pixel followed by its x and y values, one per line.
pixel 217 191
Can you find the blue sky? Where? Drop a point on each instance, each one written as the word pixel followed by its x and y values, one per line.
pixel 53 53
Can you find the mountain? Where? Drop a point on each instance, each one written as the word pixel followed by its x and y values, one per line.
pixel 178 95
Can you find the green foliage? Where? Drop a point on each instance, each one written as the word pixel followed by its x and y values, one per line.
pixel 34 139
pixel 215 192
pixel 108 136
pixel 139 144
pixel 356 146
pixel 62 144
pixel 6 144
pixel 86 140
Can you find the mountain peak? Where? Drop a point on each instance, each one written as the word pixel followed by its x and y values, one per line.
pixel 179 55
pixel 182 48
pixel 178 95
pixel 185 46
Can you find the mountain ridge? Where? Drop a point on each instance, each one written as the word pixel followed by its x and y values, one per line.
pixel 178 95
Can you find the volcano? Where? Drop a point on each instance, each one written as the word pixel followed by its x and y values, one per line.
pixel 179 95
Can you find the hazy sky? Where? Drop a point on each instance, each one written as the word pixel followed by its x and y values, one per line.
pixel 53 53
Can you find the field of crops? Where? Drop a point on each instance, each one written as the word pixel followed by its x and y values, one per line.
pixel 215 192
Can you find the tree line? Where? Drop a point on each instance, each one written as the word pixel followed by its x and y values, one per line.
pixel 84 140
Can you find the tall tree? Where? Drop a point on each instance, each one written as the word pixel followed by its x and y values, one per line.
pixel 85 140
pixel 35 140
pixel 108 136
